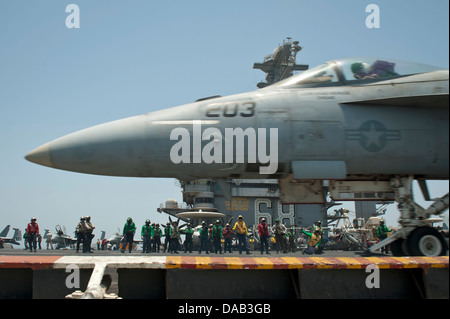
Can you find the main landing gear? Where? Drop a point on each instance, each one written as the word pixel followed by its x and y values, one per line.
pixel 416 238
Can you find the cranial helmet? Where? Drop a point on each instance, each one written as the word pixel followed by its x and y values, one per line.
pixel 360 66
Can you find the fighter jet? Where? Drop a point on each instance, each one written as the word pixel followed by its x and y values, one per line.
pixel 60 239
pixel 117 238
pixel 11 240
pixel 362 128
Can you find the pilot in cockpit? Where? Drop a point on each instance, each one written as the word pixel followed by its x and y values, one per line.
pixel 379 69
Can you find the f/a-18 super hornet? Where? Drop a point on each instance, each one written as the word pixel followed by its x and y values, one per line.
pixel 11 240
pixel 362 128
pixel 61 239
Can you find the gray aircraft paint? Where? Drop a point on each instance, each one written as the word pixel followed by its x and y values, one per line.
pixel 397 126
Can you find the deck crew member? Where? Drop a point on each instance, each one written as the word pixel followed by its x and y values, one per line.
pixel 242 233
pixel 263 231
pixel 79 232
pixel 217 236
pixel 189 232
pixel 128 233
pixel 88 235
pixel 146 233
pixel 382 233
pixel 157 232
pixel 32 233
pixel 280 236
pixel 167 232
pixel 227 234
pixel 174 237
pixel 203 238
pixel 314 239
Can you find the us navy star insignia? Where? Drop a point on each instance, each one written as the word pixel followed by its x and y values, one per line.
pixel 373 136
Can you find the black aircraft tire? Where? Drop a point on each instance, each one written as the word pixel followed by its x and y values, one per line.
pixel 426 241
pixel 398 248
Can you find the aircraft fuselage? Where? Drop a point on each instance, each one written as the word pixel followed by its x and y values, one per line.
pixel 366 130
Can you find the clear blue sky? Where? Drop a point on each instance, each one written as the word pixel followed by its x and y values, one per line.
pixel 133 57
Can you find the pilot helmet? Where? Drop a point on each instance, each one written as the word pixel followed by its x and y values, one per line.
pixel 359 67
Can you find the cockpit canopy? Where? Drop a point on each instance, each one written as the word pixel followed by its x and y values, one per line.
pixel 354 70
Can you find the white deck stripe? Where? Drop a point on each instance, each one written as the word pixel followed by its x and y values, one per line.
pixel 144 262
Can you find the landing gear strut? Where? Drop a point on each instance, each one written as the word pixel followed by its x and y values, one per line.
pixel 416 238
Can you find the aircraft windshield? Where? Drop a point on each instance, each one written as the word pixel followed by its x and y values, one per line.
pixel 355 69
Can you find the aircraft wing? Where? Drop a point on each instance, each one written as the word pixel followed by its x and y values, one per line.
pixel 10 241
pixel 418 100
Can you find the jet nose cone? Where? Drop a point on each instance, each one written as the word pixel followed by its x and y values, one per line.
pixel 40 155
pixel 118 148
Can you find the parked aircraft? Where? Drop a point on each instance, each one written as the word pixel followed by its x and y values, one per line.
pixel 60 239
pixel 11 240
pixel 363 128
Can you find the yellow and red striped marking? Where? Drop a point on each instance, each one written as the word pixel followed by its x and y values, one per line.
pixel 304 262
pixel 213 262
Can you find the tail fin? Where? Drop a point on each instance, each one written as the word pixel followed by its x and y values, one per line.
pixel 5 231
pixel 17 234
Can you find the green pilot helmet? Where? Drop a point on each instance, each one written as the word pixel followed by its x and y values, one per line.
pixel 359 66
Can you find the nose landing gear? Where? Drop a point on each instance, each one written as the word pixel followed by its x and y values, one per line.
pixel 415 238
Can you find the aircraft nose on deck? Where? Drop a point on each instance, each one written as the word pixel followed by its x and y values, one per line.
pixel 114 148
